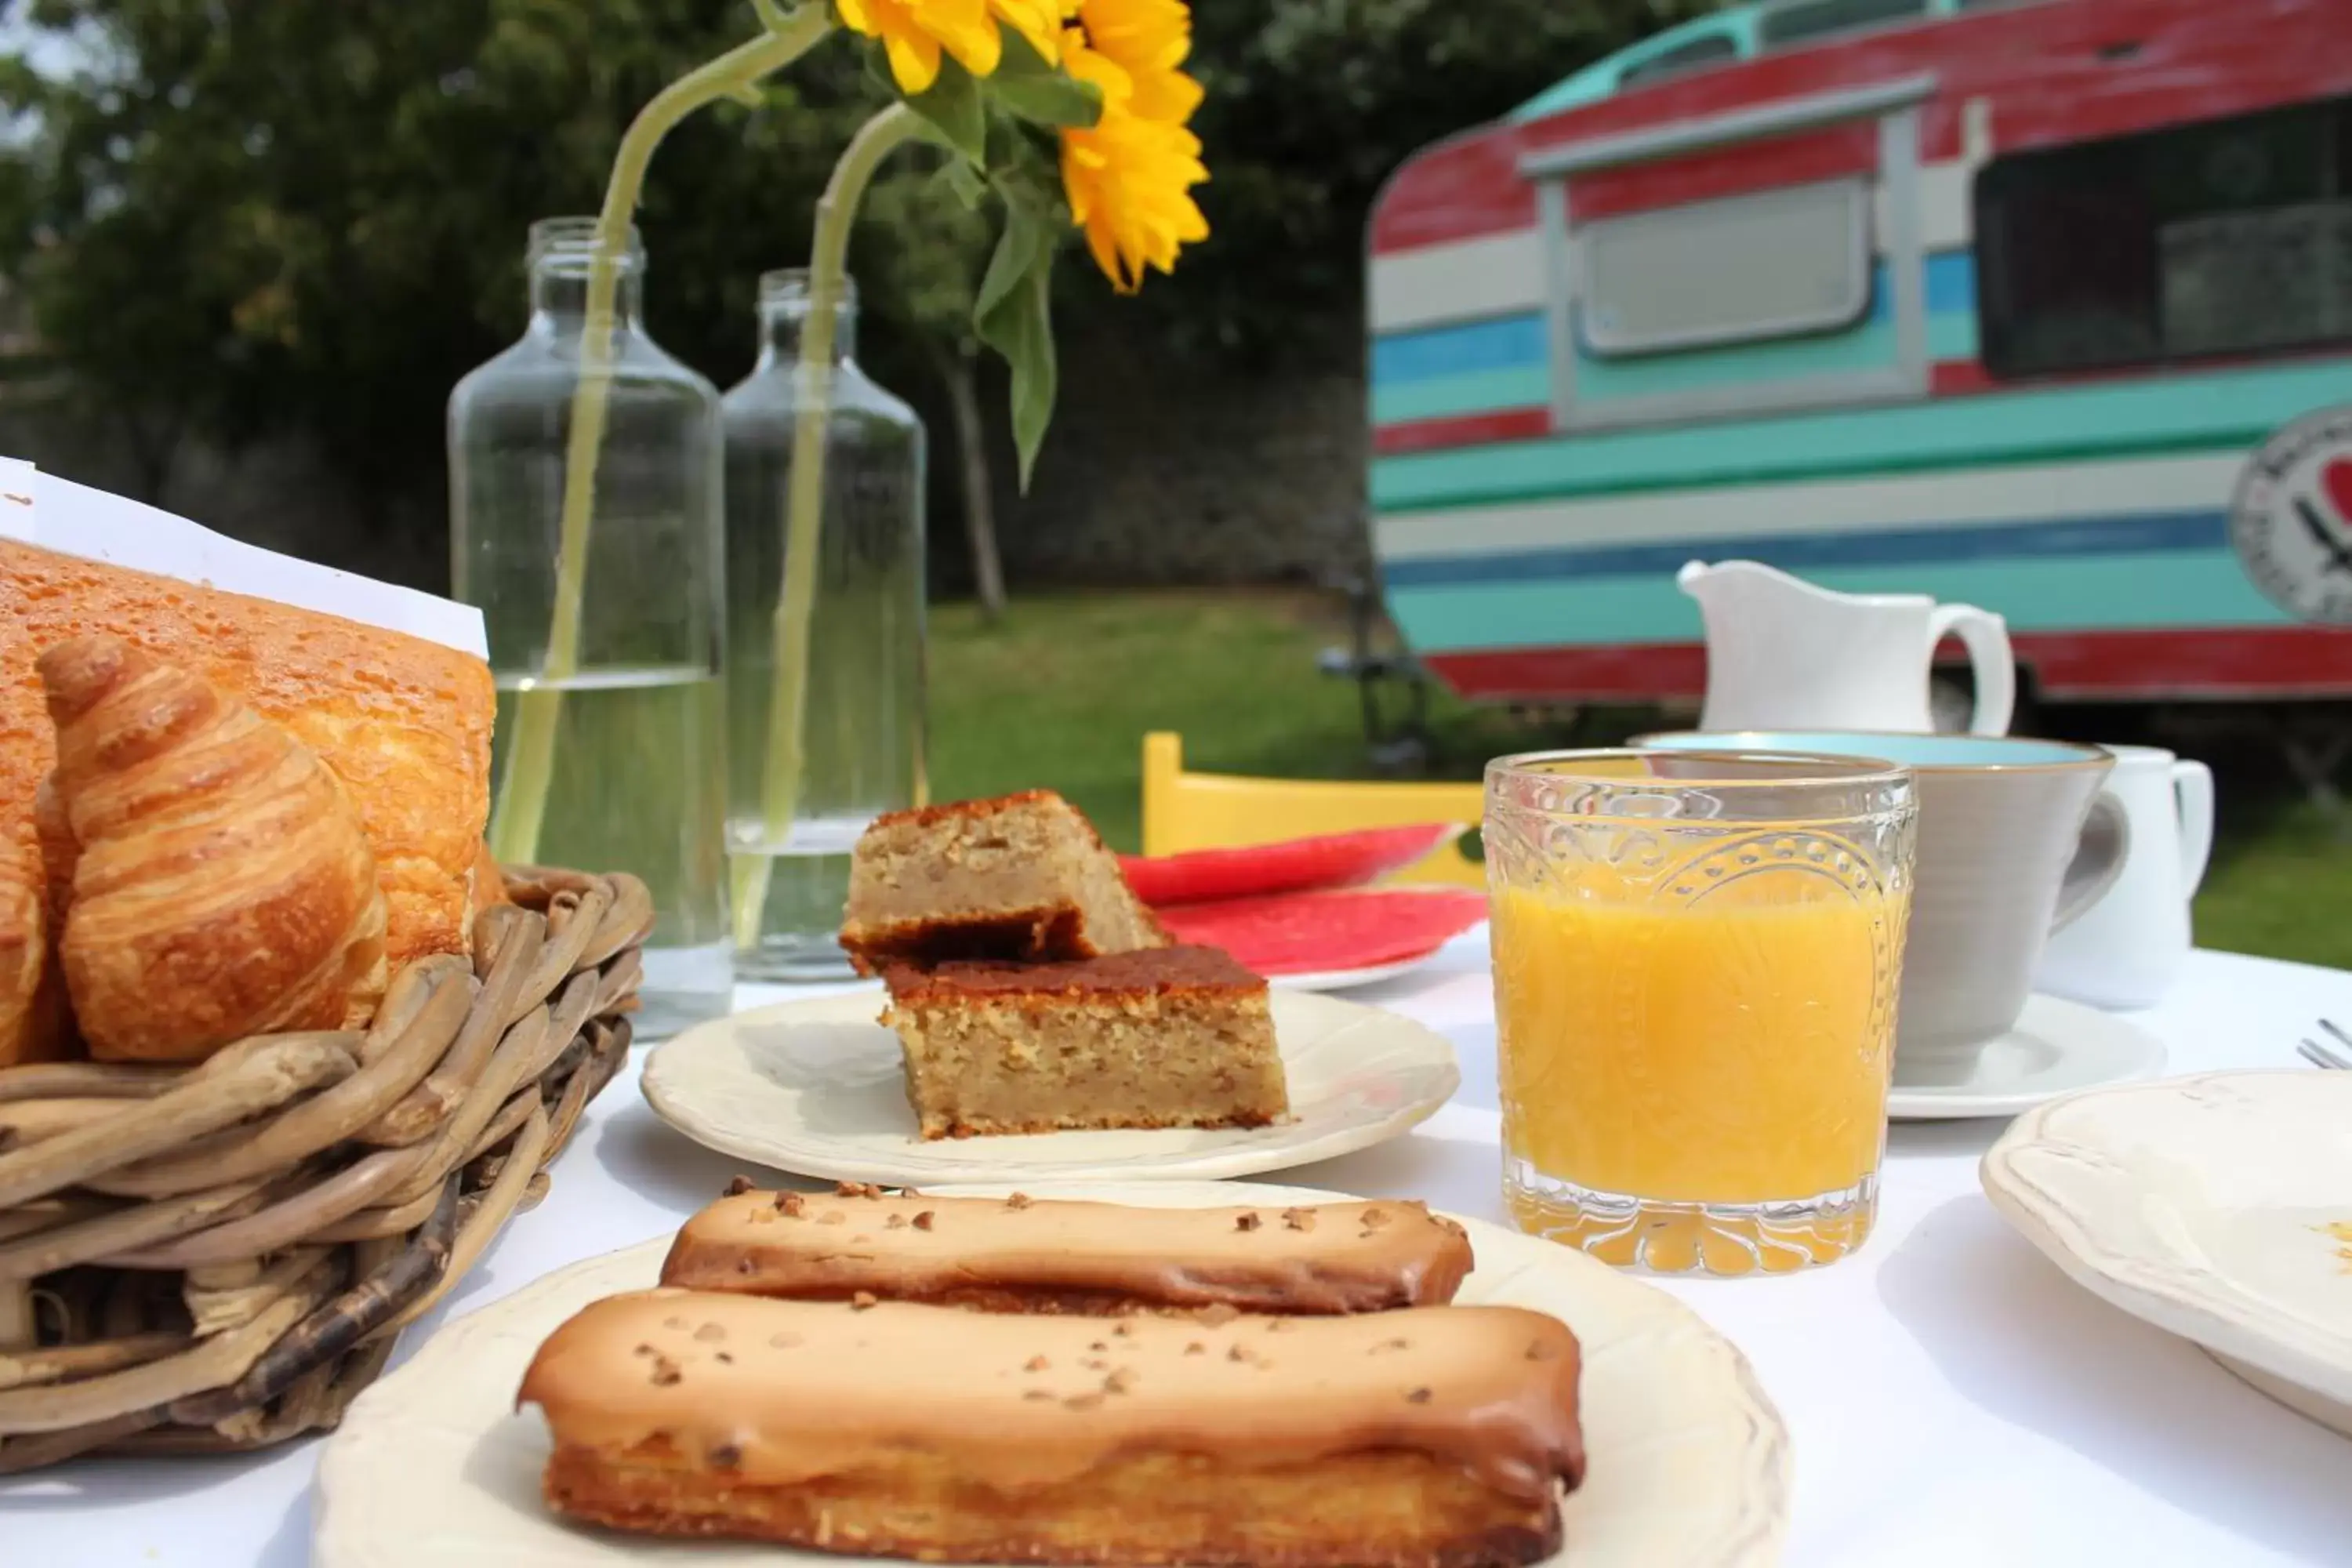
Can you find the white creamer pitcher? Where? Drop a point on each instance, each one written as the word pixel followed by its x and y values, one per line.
pixel 1783 653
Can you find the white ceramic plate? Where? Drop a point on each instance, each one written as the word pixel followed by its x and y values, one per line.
pixel 1689 1461
pixel 2058 1047
pixel 2200 1203
pixel 818 1087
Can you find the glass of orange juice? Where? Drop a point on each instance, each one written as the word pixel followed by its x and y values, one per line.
pixel 1695 965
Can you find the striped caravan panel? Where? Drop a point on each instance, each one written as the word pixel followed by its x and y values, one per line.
pixel 1522 559
pixel 1503 362
pixel 2133 543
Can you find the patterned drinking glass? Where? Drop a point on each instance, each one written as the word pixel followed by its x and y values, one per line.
pixel 1696 967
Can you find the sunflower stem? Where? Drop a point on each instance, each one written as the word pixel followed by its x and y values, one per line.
pixel 530 763
pixel 780 776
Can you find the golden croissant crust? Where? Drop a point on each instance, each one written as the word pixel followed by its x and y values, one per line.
pixel 223 886
pixel 403 724
pixel 28 1025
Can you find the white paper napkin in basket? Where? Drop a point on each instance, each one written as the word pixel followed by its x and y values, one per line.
pixel 75 519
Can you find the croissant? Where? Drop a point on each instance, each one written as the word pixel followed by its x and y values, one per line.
pixel 223 886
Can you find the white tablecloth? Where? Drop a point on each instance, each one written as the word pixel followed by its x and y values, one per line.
pixel 1955 1399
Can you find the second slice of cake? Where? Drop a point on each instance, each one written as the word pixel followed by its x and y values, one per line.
pixel 1020 877
pixel 1175 1036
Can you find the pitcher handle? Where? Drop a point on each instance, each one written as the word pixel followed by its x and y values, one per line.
pixel 1986 637
pixel 2099 857
pixel 2192 787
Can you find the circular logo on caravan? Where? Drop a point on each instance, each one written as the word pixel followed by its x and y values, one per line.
pixel 2291 520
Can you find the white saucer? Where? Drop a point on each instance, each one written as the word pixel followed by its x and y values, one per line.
pixel 2056 1048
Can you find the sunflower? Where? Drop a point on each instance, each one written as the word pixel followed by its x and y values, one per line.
pixel 1129 176
pixel 1147 39
pixel 915 32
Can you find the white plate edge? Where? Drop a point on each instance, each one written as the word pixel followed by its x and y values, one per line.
pixel 2154 1284
pixel 1222 1165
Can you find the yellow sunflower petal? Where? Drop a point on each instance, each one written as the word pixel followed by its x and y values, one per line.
pixel 966 29
pixel 914 60
pixel 1165 95
pixel 1143 36
pixel 1039 21
pixel 915 32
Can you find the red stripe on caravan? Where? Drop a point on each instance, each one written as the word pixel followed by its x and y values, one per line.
pixel 2047 73
pixel 1573 674
pixel 2230 661
pixel 1462 430
pixel 1733 171
pixel 2239 661
pixel 1959 378
pixel 1456 190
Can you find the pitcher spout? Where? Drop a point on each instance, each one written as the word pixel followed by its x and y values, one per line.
pixel 1706 581
pixel 1713 583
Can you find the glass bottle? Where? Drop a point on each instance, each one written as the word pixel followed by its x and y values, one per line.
pixel 632 775
pixel 862 745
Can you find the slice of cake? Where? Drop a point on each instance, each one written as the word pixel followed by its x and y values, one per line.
pixel 1020 876
pixel 1433 1437
pixel 1020 1254
pixel 1171 1037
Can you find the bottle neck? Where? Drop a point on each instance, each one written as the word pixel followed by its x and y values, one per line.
pixel 559 296
pixel 784 334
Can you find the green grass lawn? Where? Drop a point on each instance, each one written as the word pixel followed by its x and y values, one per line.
pixel 1061 692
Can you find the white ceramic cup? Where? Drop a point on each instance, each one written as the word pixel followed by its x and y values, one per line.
pixel 2017 838
pixel 2127 949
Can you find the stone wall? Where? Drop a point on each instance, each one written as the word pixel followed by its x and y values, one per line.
pixel 1152 475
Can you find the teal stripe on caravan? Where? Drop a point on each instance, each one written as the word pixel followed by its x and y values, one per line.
pixel 2103 419
pixel 1466 392
pixel 1864 348
pixel 1599 380
pixel 2204 588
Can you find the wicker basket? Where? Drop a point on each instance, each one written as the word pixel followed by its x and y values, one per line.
pixel 217 1257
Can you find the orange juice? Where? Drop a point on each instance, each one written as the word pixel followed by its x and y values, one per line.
pixel 1730 1050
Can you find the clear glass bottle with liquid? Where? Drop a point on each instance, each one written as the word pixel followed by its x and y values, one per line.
pixel 862 735
pixel 614 759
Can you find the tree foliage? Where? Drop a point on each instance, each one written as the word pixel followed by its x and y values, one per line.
pixel 246 219
pixel 1311 103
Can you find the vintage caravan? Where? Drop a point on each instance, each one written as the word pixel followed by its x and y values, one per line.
pixel 2040 305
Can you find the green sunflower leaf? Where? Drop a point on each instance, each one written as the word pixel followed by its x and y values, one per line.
pixel 1029 86
pixel 1056 100
pixel 1015 317
pixel 970 189
pixel 955 108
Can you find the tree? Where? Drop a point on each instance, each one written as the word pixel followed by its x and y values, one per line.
pixel 253 220
pixel 257 219
pixel 1311 104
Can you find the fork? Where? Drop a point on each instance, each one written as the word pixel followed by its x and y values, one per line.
pixel 2337 1055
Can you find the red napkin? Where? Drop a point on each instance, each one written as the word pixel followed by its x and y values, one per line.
pixel 1313 932
pixel 1328 860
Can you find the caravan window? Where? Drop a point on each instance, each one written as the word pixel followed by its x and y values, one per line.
pixel 1765 265
pixel 1705 50
pixel 1803 21
pixel 2230 238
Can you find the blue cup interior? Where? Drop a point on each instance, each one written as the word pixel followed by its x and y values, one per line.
pixel 1909 751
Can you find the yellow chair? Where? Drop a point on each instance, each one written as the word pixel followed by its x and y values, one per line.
pixel 1186 811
